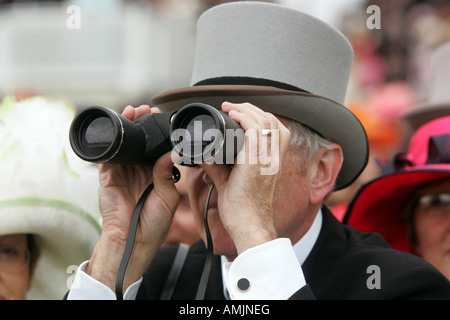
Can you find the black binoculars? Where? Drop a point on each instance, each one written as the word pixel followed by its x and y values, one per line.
pixel 197 133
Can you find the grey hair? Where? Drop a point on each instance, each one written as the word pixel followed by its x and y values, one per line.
pixel 306 142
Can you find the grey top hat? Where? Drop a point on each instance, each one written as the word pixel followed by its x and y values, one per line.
pixel 285 62
pixel 438 100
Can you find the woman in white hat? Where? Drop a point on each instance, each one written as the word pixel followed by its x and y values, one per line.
pixel 48 200
pixel 18 256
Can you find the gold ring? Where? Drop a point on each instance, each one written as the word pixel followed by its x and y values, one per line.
pixel 266 132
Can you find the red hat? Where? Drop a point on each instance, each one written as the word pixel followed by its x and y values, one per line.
pixel 379 205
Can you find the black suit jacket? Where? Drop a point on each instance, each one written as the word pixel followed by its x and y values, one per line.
pixel 337 268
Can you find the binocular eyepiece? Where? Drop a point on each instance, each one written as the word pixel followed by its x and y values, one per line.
pixel 197 133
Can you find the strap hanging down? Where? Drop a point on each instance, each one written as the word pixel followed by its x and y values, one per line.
pixel 175 271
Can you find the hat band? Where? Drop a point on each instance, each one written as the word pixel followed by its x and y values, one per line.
pixel 398 162
pixel 51 203
pixel 438 152
pixel 248 81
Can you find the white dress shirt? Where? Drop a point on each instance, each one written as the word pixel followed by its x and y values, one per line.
pixel 270 271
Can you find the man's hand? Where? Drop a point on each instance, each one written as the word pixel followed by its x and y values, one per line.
pixel 120 189
pixel 246 197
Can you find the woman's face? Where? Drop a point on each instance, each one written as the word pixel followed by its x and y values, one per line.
pixel 432 225
pixel 15 277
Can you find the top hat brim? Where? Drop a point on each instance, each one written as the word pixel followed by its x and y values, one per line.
pixel 328 118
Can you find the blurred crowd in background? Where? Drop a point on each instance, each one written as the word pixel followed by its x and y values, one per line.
pixel 123 52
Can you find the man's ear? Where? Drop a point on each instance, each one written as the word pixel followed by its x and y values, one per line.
pixel 326 167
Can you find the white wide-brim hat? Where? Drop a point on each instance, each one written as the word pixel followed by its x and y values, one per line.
pixel 285 62
pixel 45 190
pixel 437 103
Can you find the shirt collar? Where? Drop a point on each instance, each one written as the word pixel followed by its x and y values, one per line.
pixel 304 246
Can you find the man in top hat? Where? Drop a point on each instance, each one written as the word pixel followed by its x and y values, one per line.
pixel 283 74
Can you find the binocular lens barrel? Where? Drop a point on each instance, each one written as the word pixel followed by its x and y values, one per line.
pixel 197 132
pixel 201 131
pixel 96 134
